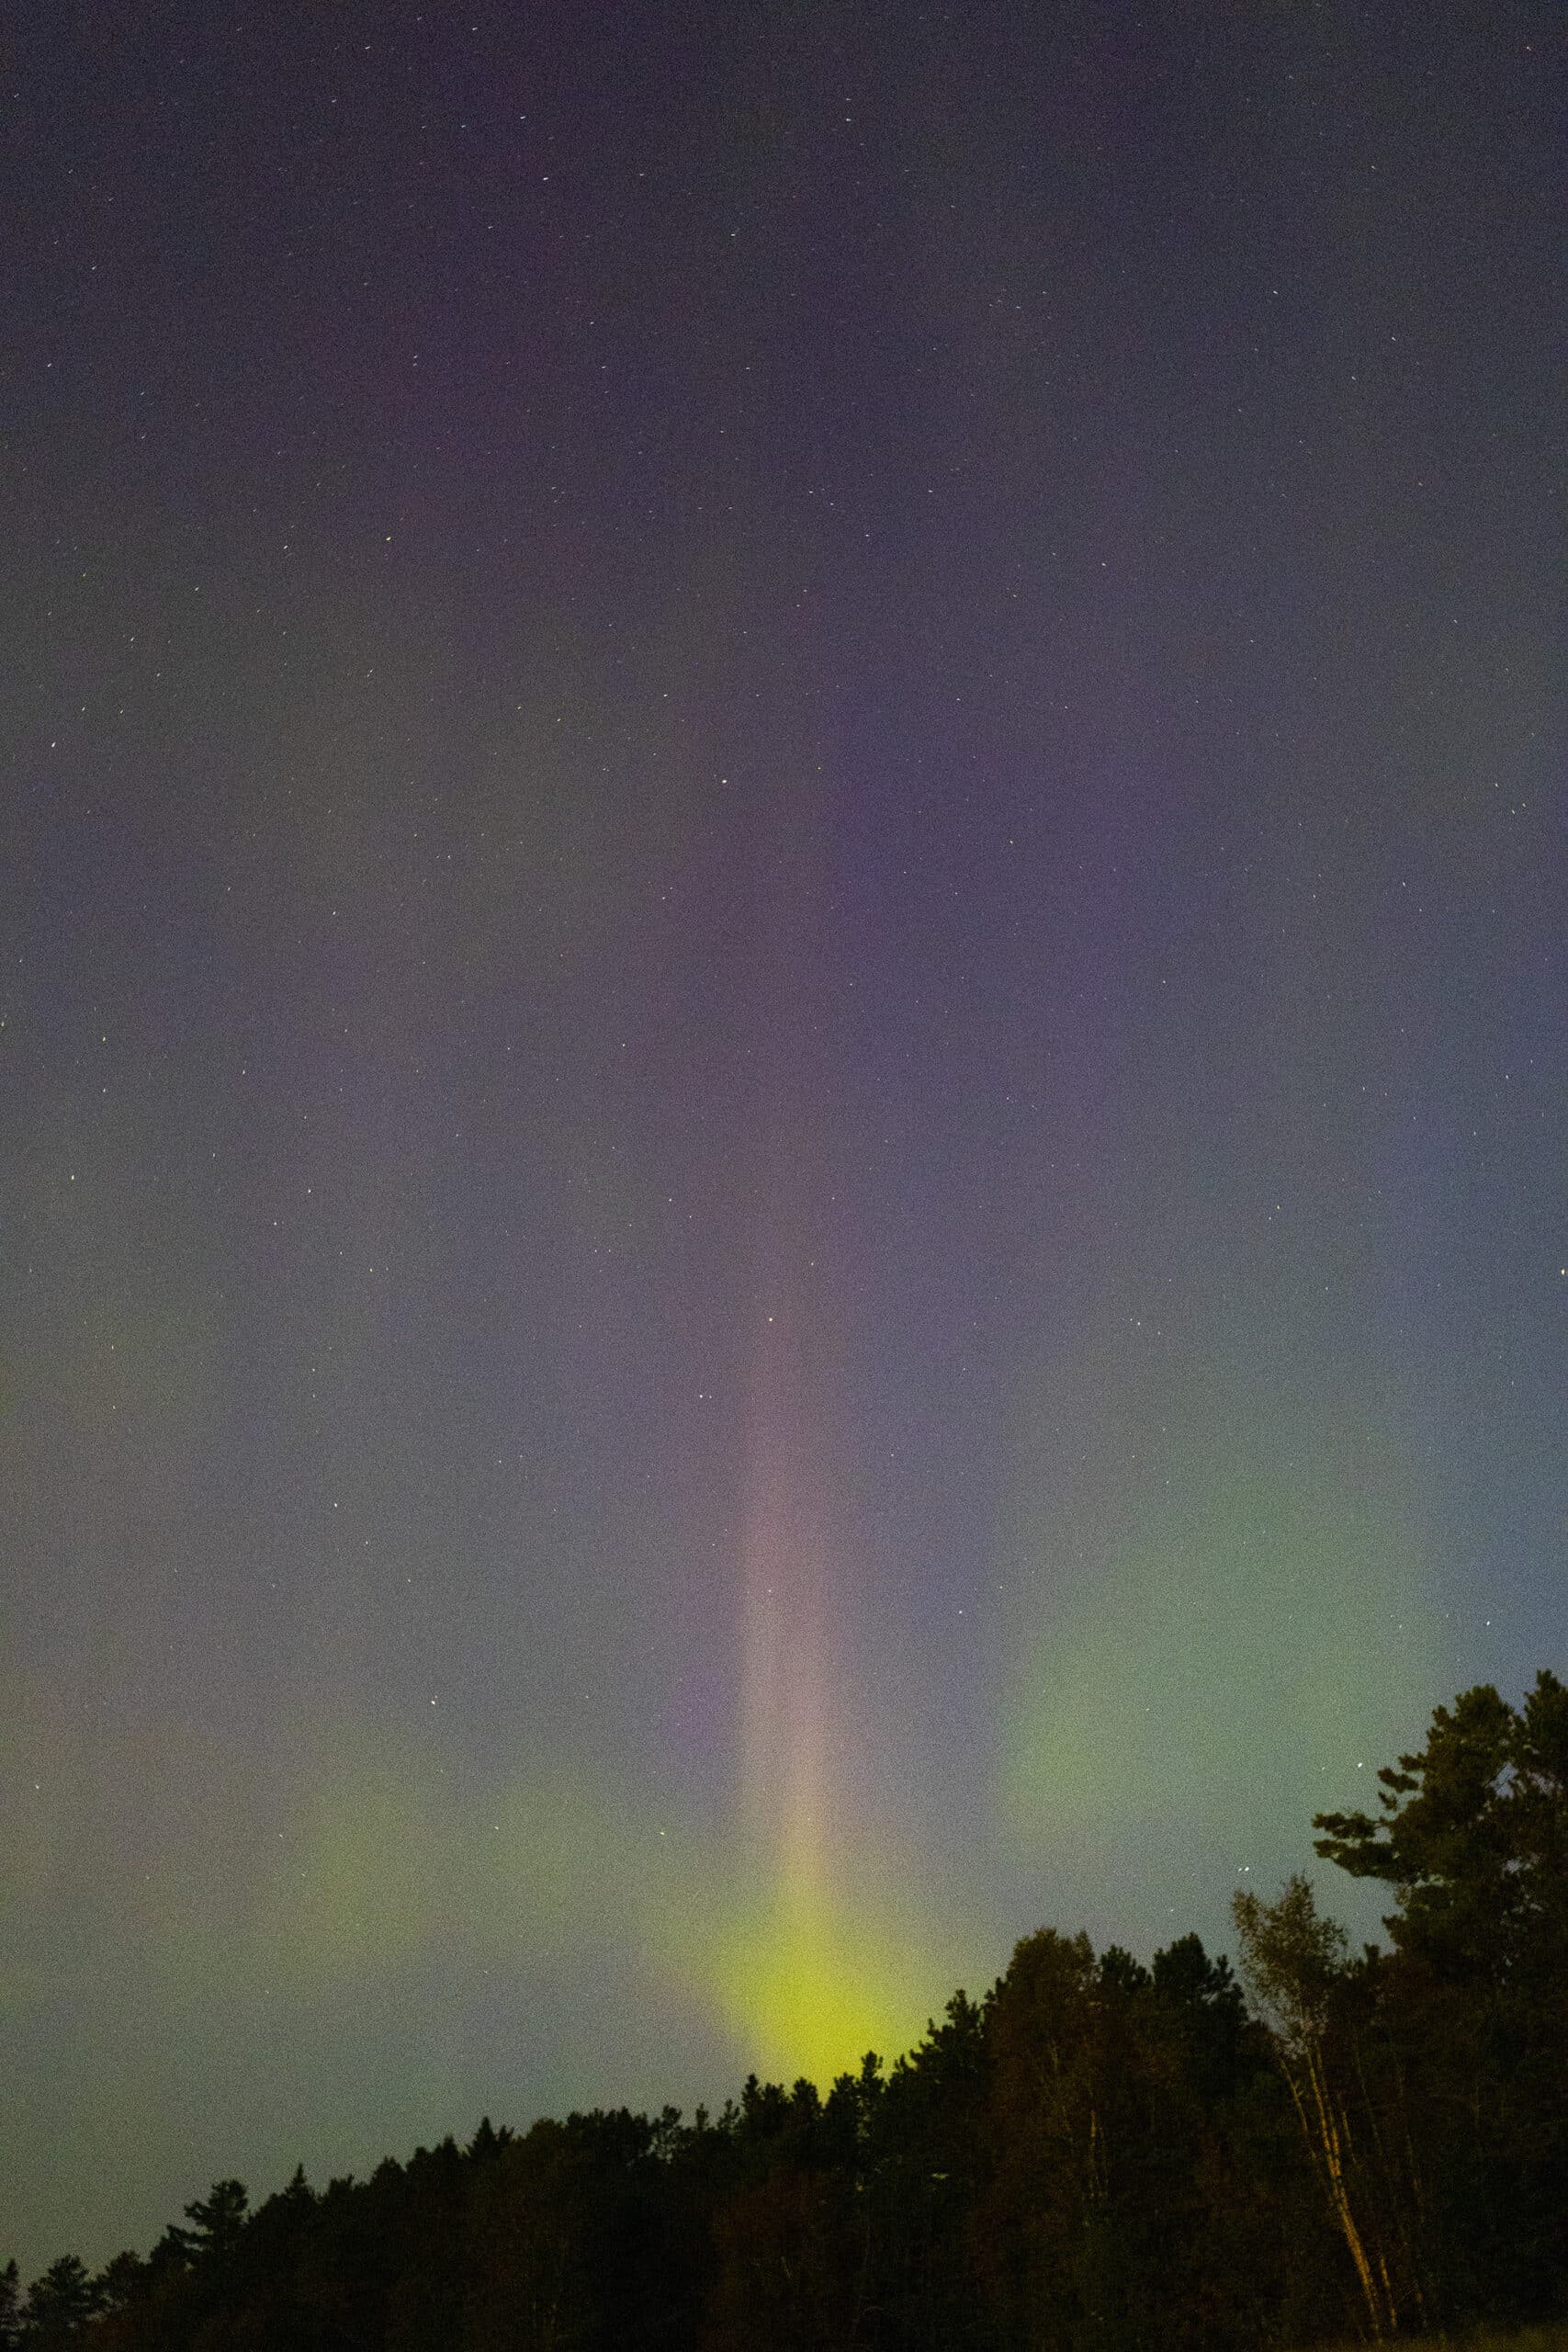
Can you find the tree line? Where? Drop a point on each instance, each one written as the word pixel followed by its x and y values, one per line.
pixel 1097 2156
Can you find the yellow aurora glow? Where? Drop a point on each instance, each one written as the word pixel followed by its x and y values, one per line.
pixel 807 1975
pixel 809 1983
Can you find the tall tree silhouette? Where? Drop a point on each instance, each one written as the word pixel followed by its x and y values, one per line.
pixel 60 2305
pixel 1295 1963
pixel 1471 1836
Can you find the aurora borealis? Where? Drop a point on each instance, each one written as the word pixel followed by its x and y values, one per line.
pixel 781 961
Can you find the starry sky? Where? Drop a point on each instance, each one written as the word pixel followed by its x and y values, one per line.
pixel 783 1016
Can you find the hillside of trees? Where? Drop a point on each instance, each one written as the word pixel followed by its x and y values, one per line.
pixel 1098 2156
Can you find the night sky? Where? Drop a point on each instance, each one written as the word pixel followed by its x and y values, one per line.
pixel 783 884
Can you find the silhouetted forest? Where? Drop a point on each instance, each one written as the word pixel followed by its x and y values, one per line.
pixel 1096 2154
